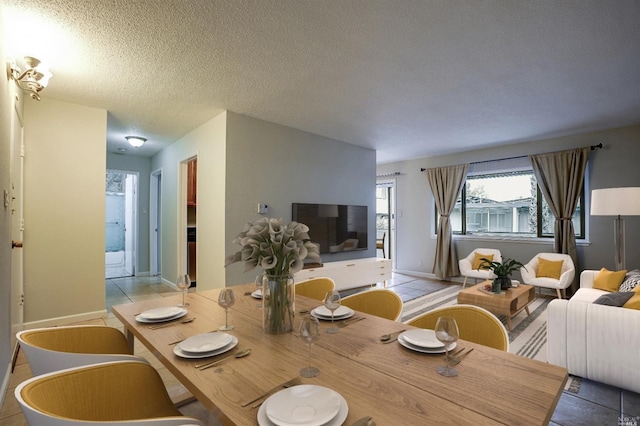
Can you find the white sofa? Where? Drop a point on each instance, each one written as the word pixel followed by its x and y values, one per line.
pixel 593 341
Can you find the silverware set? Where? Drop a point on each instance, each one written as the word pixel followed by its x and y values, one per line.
pixel 239 354
pixel 287 384
pixel 184 321
pixel 350 321
pixel 391 337
pixel 458 359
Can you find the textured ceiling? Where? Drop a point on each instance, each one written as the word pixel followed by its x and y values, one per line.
pixel 406 78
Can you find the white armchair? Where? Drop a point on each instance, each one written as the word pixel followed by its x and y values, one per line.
pixel 529 273
pixel 469 267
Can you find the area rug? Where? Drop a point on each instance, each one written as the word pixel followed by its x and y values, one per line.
pixel 527 338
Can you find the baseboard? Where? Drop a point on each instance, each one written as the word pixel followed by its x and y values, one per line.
pixel 52 322
pixel 428 275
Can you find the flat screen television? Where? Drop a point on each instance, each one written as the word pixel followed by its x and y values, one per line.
pixel 335 227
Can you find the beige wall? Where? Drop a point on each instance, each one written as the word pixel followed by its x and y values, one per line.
pixel 207 142
pixel 5 227
pixel 64 199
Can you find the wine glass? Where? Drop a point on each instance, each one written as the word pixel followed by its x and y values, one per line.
pixel 447 333
pixel 226 299
pixel 183 283
pixel 332 302
pixel 309 331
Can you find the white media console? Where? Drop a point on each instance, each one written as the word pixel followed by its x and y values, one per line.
pixel 351 273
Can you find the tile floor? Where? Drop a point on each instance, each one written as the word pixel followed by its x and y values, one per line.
pixel 594 403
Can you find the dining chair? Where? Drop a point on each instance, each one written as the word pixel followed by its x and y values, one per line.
pixel 475 324
pixel 123 393
pixel 379 302
pixel 58 348
pixel 470 265
pixel 315 288
pixel 550 270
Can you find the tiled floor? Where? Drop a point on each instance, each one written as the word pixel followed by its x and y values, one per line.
pixel 594 403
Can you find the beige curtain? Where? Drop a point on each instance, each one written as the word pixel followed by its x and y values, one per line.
pixel 446 183
pixel 560 177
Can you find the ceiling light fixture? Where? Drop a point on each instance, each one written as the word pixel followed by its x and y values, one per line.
pixel 33 79
pixel 136 141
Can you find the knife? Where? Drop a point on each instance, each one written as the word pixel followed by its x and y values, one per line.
pixel 286 384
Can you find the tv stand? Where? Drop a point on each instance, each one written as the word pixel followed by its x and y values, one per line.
pixel 351 273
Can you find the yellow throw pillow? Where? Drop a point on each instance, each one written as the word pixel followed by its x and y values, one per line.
pixel 609 280
pixel 549 268
pixel 477 261
pixel 634 302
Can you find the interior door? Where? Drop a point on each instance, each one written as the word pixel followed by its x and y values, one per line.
pixel 130 224
pixel 17 220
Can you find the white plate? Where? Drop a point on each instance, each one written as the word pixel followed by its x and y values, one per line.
pixel 408 345
pixel 423 338
pixel 155 321
pixel 161 313
pixel 323 313
pixel 205 342
pixel 257 294
pixel 263 419
pixel 184 354
pixel 308 405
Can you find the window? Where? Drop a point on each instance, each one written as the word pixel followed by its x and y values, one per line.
pixel 507 204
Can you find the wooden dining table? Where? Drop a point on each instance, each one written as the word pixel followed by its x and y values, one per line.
pixel 392 384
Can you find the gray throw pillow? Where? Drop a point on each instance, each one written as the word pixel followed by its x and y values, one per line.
pixel 614 299
pixel 631 280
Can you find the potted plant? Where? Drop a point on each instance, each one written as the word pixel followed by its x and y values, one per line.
pixel 502 270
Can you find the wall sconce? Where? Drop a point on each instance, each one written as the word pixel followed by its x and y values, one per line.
pixel 33 79
pixel 135 141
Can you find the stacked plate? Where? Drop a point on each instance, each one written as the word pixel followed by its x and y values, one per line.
pixel 205 345
pixel 167 313
pixel 308 405
pixel 422 340
pixel 322 313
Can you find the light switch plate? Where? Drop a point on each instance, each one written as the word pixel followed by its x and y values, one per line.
pixel 262 208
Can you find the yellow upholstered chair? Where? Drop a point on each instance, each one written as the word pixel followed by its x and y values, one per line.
pixel 315 288
pixel 112 393
pixel 544 270
pixel 56 348
pixel 475 324
pixel 469 266
pixel 379 302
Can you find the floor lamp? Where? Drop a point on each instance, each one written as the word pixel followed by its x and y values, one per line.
pixel 616 202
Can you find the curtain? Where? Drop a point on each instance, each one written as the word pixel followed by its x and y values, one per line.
pixel 560 177
pixel 446 183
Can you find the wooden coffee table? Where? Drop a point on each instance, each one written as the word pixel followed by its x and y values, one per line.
pixel 509 303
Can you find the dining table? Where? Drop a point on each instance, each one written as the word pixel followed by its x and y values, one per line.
pixel 387 381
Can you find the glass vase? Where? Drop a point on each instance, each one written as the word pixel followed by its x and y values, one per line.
pixel 278 303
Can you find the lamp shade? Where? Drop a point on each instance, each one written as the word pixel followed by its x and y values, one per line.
pixel 615 201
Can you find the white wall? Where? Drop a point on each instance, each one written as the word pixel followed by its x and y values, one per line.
pixel 614 165
pixel 64 184
pixel 279 165
pixel 208 143
pixel 142 165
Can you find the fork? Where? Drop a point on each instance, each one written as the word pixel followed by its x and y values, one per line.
pixel 459 359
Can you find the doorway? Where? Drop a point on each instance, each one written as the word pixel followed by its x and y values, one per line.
pixel 155 222
pixel 120 224
pixel 385 219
